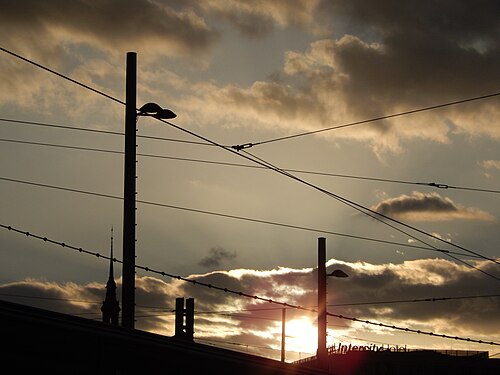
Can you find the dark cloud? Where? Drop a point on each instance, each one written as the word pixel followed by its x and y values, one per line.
pixel 217 257
pixel 259 18
pixel 110 24
pixel 431 206
pixel 430 51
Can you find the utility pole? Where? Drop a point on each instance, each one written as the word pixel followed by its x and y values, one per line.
pixel 283 321
pixel 322 355
pixel 129 196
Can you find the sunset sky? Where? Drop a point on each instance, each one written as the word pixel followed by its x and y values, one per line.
pixel 260 72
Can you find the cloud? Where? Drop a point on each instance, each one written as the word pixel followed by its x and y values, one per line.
pixel 110 25
pixel 217 257
pixel 85 42
pixel 383 60
pixel 389 59
pixel 490 164
pixel 228 316
pixel 258 18
pixel 428 207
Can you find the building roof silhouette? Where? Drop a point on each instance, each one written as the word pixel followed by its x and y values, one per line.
pixel 37 340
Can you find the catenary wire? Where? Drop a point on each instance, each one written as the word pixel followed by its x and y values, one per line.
pixel 317 131
pixel 365 210
pixel 350 203
pixel 241 147
pixel 76 300
pixel 236 217
pixel 243 294
pixel 268 165
pixel 66 127
pixel 343 200
pixel 222 215
pixel 379 217
pixel 432 299
pixel 61 75
pixel 374 119
pixel 214 162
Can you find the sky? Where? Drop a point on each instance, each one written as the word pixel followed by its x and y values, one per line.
pixel 268 74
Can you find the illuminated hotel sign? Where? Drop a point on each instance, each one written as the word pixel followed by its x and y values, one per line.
pixel 344 348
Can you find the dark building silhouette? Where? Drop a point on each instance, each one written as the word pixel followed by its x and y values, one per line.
pixel 40 341
pixel 110 307
pixel 405 362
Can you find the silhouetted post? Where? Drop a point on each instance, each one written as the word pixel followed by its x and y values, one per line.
pixel 179 317
pixel 322 354
pixel 184 319
pixel 189 319
pixel 283 321
pixel 129 214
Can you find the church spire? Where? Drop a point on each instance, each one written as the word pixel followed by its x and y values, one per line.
pixel 110 307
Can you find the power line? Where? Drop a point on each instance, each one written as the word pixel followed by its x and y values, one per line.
pixel 433 299
pixel 354 205
pixel 378 216
pixel 76 300
pixel 61 75
pixel 270 166
pixel 326 174
pixel 385 117
pixel 66 127
pixel 405 329
pixel 236 217
pixel 48 298
pixel 243 294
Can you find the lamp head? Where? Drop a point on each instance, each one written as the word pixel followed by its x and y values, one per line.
pixel 338 273
pixel 154 110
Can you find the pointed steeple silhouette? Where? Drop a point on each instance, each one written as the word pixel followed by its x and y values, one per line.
pixel 110 307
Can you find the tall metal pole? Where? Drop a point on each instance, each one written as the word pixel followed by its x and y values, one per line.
pixel 283 321
pixel 322 355
pixel 129 214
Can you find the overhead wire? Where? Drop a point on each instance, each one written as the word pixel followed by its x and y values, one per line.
pixel 241 147
pixel 379 216
pixel 374 119
pixel 375 215
pixel 61 75
pixel 357 206
pixel 432 299
pixel 243 294
pixel 352 204
pixel 204 161
pixel 66 127
pixel 237 148
pixel 236 217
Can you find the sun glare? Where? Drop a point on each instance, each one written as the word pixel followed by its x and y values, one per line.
pixel 301 335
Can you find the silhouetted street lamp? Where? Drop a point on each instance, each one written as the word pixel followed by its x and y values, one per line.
pixel 129 188
pixel 154 110
pixel 322 354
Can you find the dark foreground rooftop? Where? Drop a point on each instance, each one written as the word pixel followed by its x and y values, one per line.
pixel 41 341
